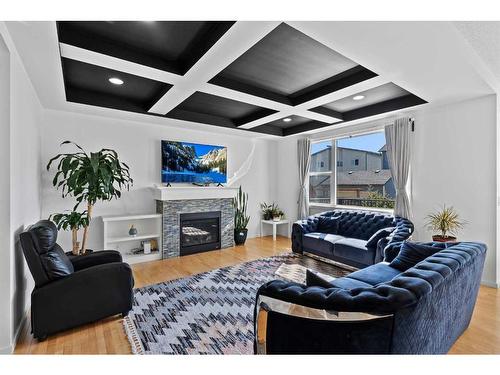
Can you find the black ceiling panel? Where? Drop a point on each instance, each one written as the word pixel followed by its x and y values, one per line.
pixel 296 120
pixel 286 65
pixel 377 100
pixel 216 110
pixel 174 46
pixel 89 84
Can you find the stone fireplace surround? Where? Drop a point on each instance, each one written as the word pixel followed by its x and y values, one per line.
pixel 172 201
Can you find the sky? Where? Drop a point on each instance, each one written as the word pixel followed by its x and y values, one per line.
pixel 368 142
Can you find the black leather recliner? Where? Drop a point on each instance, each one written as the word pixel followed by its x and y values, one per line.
pixel 100 284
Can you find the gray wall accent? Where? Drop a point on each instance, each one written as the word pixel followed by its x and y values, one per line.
pixel 171 211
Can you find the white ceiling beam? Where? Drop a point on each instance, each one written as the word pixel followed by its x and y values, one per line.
pixel 263 102
pixel 99 59
pixel 345 92
pixel 236 41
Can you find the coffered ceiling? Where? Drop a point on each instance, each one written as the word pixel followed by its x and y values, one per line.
pixel 280 82
pixel 255 78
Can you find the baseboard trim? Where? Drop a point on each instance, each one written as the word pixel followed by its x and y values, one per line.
pixel 490 284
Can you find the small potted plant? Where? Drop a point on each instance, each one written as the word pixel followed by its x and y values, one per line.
pixel 271 212
pixel 73 221
pixel 446 222
pixel 278 215
pixel 240 217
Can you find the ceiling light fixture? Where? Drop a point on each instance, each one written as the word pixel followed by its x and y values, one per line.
pixel 288 119
pixel 358 97
pixel 115 81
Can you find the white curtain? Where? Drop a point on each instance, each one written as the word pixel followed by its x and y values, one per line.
pixel 397 138
pixel 304 161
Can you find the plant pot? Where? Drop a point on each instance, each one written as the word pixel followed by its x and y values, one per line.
pixel 439 238
pixel 277 218
pixel 240 236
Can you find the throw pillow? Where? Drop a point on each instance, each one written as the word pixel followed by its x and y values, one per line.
pixel 56 263
pixel 381 233
pixel 412 253
pixel 315 279
pixel 328 224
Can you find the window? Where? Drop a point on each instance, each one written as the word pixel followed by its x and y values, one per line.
pixel 320 174
pixel 368 185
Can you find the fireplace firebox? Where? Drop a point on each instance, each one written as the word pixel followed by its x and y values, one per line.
pixel 199 231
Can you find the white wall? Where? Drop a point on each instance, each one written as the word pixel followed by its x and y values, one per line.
pixel 454 163
pixel 21 184
pixel 138 144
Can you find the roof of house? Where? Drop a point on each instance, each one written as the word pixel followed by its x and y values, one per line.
pixel 348 148
pixel 364 177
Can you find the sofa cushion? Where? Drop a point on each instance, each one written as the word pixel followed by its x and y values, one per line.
pixel 56 263
pixel 355 250
pixel 376 274
pixel 320 243
pixel 328 224
pixel 317 279
pixel 348 283
pixel 363 224
pixel 381 233
pixel 412 253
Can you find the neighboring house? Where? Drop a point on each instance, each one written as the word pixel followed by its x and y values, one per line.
pixel 358 184
pixel 359 172
pixel 348 159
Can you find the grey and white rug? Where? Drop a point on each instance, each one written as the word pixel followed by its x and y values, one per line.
pixel 208 313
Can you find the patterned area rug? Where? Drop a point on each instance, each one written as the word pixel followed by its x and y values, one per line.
pixel 208 313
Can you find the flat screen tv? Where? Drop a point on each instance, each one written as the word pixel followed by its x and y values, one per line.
pixel 184 162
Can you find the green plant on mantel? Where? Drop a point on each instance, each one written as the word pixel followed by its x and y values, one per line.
pixel 73 221
pixel 90 178
pixel 240 203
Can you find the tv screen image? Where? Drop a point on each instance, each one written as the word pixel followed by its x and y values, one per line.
pixel 184 162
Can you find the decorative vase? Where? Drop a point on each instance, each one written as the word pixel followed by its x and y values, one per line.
pixel 240 236
pixel 132 231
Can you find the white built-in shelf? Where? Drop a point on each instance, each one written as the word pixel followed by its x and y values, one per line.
pixel 130 217
pixel 116 237
pixel 140 258
pixel 133 238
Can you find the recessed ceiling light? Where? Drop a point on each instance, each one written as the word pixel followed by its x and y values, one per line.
pixel 288 119
pixel 115 81
pixel 358 97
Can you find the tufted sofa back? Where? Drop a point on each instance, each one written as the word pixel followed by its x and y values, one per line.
pixel 363 224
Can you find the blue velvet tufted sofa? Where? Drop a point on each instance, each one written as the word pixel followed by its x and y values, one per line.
pixel 348 244
pixel 378 309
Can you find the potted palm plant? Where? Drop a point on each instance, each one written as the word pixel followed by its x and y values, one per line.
pixel 446 222
pixel 90 177
pixel 240 217
pixel 73 221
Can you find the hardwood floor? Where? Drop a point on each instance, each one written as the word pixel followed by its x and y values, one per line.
pixel 108 336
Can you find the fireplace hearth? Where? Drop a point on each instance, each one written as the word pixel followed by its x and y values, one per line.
pixel 199 231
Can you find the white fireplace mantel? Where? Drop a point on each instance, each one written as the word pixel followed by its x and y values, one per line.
pixel 163 193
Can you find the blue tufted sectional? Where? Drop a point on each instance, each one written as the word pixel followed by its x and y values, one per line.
pixel 348 243
pixel 378 309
